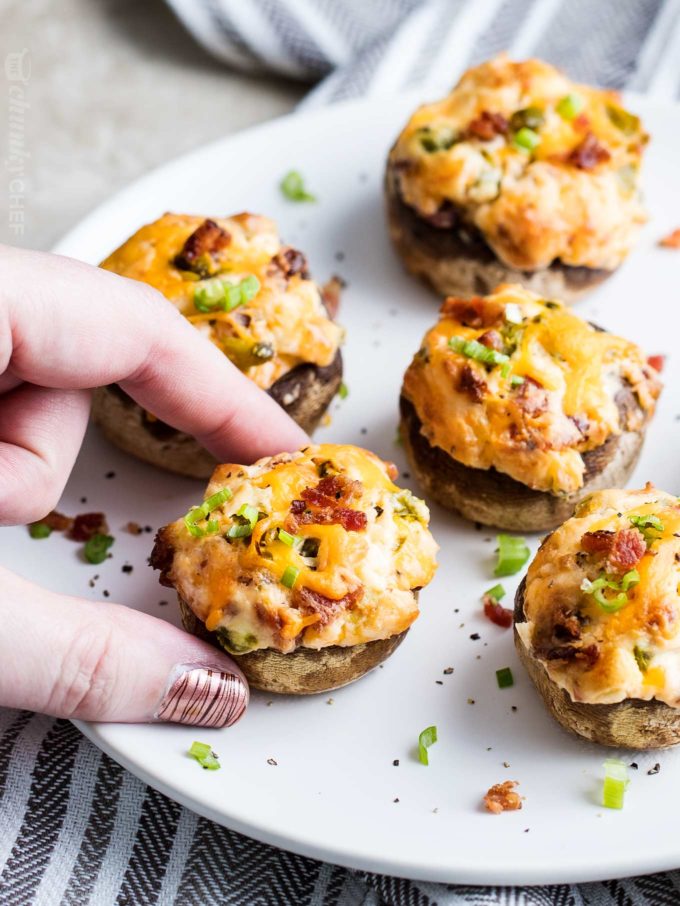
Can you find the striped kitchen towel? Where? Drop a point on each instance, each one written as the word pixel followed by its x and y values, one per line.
pixel 75 827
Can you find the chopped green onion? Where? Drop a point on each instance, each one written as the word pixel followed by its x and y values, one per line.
pixel 477 351
pixel 289 577
pixel 642 658
pixel 427 738
pixel 530 117
pixel 204 755
pixel 627 122
pixel 497 592
pixel 97 547
pixel 526 139
pixel 441 140
pixel 196 513
pixel 251 513
pixel 246 519
pixel 516 380
pixel 287 538
pixel 293 187
pixel 343 391
pixel 570 106
pixel 615 783
pixel 602 583
pixel 220 294
pixel 504 678
pixel 39 530
pixel 513 553
pixel 505 370
pixel 240 530
pixel 651 527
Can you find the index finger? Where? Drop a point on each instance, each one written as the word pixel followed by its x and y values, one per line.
pixel 73 326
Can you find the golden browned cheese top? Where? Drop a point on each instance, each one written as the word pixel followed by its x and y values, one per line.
pixel 334 555
pixel 544 168
pixel 602 599
pixel 283 325
pixel 553 394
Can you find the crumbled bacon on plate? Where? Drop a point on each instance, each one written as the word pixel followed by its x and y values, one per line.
pixel 57 521
pixel 671 241
pixel 495 612
pixel 88 524
pixel 330 293
pixel 503 798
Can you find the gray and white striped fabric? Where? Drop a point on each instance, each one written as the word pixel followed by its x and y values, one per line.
pixel 75 828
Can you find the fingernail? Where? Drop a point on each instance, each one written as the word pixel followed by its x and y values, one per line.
pixel 203 697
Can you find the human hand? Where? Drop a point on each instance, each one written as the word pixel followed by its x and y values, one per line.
pixel 67 327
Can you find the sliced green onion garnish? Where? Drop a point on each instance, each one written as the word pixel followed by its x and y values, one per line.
pixel 497 592
pixel 651 527
pixel 251 513
pixel 427 738
pixel 343 391
pixel 197 513
pixel 642 658
pixel 39 530
pixel 293 187
pixel 570 106
pixel 204 755
pixel 97 547
pixel 240 530
pixel 250 287
pixel 513 553
pixel 220 294
pixel 602 583
pixel 526 139
pixel 504 678
pixel 209 296
pixel 289 577
pixel 287 538
pixel 516 380
pixel 615 783
pixel 477 351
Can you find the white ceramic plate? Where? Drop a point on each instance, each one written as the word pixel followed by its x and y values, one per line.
pixel 334 792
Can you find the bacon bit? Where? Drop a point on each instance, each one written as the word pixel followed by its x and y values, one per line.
pixel 672 241
pixel 589 654
pixel 487 125
pixel 208 239
pixel 599 542
pixel 532 398
pixel 567 626
pixel 589 153
pixel 392 471
pixel 330 293
pixel 290 262
pixel 134 528
pixel 495 612
pixel 491 339
pixel 627 550
pixel 313 602
pixel 57 521
pixel 471 384
pixel 326 505
pixel 502 797
pixel 656 362
pixel 88 524
pixel 474 312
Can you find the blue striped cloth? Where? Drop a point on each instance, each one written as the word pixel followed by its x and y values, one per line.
pixel 75 828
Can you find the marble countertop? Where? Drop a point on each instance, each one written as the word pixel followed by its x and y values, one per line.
pixel 107 90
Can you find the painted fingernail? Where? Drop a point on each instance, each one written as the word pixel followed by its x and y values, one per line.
pixel 203 697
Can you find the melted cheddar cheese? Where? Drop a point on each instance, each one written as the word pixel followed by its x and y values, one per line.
pixel 561 201
pixel 634 651
pixel 286 318
pixel 536 414
pixel 350 586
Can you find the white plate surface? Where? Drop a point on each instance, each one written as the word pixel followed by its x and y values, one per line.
pixel 333 791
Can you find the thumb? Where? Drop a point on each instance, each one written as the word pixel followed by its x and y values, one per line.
pixel 98 661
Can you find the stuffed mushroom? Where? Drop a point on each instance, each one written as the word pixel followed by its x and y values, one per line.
pixel 252 296
pixel 597 619
pixel 514 409
pixel 305 567
pixel 518 175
